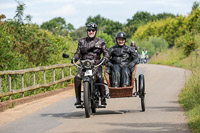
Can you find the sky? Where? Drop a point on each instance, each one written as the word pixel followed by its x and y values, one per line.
pixel 76 12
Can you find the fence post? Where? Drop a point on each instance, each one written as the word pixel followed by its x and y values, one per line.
pixel 9 85
pixel 54 79
pixel 33 78
pixel 44 77
pixel 70 71
pixel 62 74
pixel 22 84
pixel 70 74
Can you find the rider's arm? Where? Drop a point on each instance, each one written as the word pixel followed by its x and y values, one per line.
pixel 78 51
pixel 105 50
pixel 110 52
pixel 134 57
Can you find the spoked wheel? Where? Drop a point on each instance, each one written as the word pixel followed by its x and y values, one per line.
pixel 142 91
pixel 87 99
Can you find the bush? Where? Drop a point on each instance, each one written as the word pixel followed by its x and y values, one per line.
pixel 107 38
pixel 153 45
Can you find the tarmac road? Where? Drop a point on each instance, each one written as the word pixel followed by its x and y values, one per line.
pixel 122 115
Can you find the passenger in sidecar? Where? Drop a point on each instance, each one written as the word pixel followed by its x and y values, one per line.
pixel 122 62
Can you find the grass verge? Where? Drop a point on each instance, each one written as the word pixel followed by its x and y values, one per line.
pixel 189 97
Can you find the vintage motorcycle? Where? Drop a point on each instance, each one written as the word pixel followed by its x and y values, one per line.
pixel 91 94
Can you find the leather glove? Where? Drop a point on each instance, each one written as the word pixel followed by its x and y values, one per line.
pixel 131 65
pixel 138 61
pixel 109 64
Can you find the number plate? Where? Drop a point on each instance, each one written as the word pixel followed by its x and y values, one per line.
pixel 88 73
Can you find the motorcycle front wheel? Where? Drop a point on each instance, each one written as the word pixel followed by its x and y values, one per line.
pixel 87 99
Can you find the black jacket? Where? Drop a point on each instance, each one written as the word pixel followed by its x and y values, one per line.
pixel 123 55
pixel 91 49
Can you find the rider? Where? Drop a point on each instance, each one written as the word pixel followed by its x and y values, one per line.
pixel 122 61
pixel 90 48
pixel 133 45
pixel 144 55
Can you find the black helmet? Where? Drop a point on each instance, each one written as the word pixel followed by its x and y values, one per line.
pixel 92 26
pixel 121 35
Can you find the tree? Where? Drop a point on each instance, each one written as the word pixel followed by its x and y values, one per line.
pixel 2 16
pixel 20 12
pixel 70 27
pixel 55 25
pixel 195 5
pixel 107 38
pixel 140 18
pixel 79 33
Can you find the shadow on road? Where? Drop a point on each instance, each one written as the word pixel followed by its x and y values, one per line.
pixel 81 114
pixel 144 127
pixel 167 108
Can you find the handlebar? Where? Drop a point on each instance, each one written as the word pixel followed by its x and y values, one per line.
pixel 100 63
pixel 76 64
pixel 94 65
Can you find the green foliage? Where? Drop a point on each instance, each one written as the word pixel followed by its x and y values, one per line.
pixel 170 29
pixel 31 46
pixel 152 45
pixel 189 47
pixel 190 99
pixel 169 57
pixel 20 12
pixel 55 25
pixel 107 38
pixel 9 58
pixel 186 42
pixel 58 26
pixel 70 27
pixel 195 5
pixel 142 18
pixel 79 33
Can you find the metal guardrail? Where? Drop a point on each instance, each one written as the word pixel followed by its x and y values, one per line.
pixel 33 71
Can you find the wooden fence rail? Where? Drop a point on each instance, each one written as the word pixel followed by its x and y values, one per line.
pixel 34 85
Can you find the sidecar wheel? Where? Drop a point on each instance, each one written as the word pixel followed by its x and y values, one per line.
pixel 142 91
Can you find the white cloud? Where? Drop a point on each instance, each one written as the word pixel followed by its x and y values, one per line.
pixel 100 2
pixel 9 5
pixel 67 10
pixel 171 3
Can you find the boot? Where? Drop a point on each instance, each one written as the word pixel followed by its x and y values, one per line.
pixel 77 83
pixel 103 101
pixel 102 93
